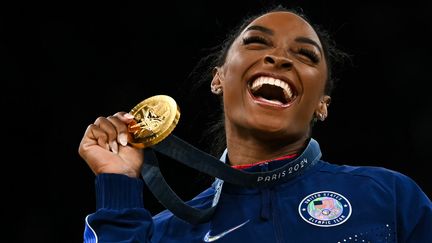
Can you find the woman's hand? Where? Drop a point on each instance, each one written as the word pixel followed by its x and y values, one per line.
pixel 105 146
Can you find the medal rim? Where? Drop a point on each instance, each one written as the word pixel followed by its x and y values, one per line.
pixel 163 130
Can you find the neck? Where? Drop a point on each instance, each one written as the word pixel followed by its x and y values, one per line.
pixel 247 148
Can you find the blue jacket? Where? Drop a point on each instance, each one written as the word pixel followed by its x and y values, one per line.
pixel 326 203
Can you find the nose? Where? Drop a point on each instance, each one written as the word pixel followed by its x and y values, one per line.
pixel 278 61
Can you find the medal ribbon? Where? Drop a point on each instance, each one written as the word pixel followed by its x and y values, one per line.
pixel 185 153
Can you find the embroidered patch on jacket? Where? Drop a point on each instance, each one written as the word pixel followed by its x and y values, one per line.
pixel 325 209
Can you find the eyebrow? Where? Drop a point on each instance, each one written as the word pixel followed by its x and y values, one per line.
pixel 300 39
pixel 308 41
pixel 261 28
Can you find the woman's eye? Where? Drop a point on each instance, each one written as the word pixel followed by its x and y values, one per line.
pixel 254 40
pixel 311 55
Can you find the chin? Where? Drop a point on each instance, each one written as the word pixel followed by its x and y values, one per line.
pixel 271 129
pixel 270 123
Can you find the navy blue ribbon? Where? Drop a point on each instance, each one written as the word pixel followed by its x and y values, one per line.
pixel 185 153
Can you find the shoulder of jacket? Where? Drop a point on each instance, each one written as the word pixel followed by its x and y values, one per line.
pixel 381 175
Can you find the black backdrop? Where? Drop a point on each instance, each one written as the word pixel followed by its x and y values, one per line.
pixel 63 64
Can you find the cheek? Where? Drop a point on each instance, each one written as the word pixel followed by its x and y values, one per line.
pixel 314 81
pixel 233 72
pixel 235 65
pixel 235 86
pixel 239 60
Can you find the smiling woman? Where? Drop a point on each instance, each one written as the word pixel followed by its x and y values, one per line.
pixel 274 89
pixel 274 78
pixel 268 56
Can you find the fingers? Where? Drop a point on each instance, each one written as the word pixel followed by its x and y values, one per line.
pixel 102 146
pixel 125 117
pixel 99 135
pixel 120 121
pixel 112 130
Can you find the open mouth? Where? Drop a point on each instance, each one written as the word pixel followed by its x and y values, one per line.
pixel 272 91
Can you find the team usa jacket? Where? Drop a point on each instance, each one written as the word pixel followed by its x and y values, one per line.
pixel 325 203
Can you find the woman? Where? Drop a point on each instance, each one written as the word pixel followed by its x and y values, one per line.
pixel 274 78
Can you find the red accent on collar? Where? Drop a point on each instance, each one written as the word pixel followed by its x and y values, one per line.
pixel 241 167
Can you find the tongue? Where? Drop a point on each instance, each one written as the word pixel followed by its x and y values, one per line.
pixel 269 93
pixel 275 102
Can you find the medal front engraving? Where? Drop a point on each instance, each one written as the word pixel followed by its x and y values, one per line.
pixel 155 118
pixel 150 119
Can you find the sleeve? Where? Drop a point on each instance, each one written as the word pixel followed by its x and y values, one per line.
pixel 414 210
pixel 120 214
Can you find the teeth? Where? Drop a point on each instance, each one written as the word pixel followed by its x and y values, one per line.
pixel 258 83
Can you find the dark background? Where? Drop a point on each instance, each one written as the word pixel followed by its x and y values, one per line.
pixel 65 63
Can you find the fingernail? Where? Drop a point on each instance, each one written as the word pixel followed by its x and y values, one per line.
pixel 114 147
pixel 129 116
pixel 122 139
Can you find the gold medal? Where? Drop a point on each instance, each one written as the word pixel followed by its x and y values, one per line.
pixel 155 118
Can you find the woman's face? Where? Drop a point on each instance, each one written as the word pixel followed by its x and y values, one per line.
pixel 273 78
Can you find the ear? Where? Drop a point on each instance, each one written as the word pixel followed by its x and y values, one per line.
pixel 216 83
pixel 321 111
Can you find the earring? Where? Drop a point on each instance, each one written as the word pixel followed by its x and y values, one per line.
pixel 217 90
